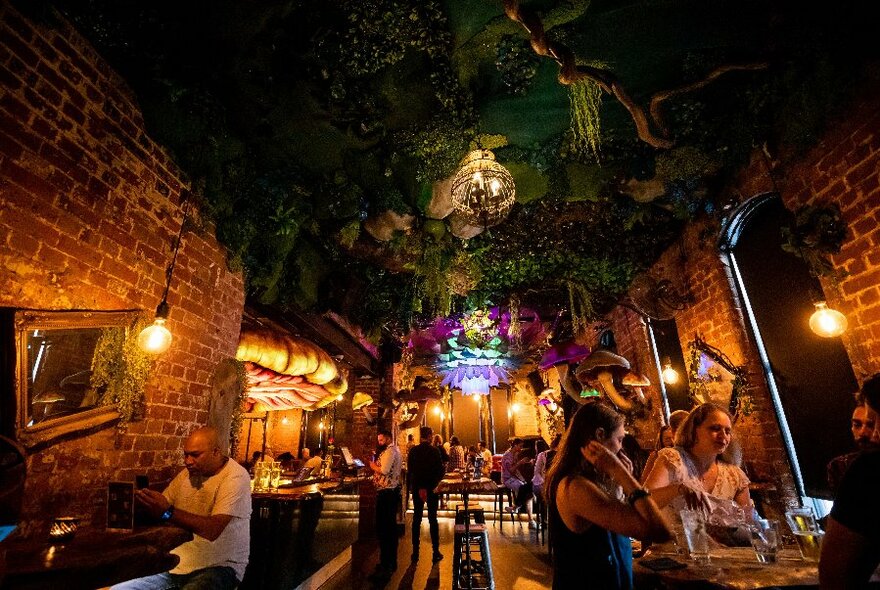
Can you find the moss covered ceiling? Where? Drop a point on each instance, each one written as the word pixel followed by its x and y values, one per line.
pixel 304 123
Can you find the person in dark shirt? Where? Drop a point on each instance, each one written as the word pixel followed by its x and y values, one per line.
pixel 862 428
pixel 424 472
pixel 851 549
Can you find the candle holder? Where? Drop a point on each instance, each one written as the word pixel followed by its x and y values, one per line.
pixel 63 528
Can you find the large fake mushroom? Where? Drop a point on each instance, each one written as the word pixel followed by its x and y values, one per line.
pixel 635 382
pixel 561 356
pixel 599 370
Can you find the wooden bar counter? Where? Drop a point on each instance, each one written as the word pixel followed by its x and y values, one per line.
pixel 92 559
pixel 298 529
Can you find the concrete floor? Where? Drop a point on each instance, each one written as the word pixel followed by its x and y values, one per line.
pixel 519 562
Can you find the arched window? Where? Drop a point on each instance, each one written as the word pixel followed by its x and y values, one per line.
pixel 810 378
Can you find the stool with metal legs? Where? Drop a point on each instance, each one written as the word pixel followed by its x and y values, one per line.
pixel 471 561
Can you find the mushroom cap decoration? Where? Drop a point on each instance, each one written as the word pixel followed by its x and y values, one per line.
pixel 633 379
pixel 361 400
pixel 599 370
pixel 563 352
pixel 599 361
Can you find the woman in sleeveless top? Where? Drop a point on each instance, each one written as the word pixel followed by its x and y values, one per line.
pixel 694 473
pixel 596 505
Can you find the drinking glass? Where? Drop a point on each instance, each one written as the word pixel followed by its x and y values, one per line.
pixel 696 535
pixel 765 539
pixel 802 523
pixel 274 475
pixel 264 474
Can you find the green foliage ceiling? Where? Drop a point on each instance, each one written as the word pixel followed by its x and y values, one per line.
pixel 300 120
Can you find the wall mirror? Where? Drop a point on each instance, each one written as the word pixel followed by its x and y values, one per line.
pixel 53 362
pixel 713 377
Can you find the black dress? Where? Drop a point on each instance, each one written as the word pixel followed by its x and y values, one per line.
pixel 596 558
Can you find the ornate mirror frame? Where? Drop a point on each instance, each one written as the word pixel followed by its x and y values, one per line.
pixel 18 324
pixel 698 353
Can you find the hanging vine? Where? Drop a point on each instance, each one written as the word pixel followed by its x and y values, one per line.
pixel 585 97
pixel 120 370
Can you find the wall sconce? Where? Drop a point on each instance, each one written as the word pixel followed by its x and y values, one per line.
pixel 827 322
pixel 285 420
pixel 669 375
pixel 321 425
pixel 156 338
pixel 514 408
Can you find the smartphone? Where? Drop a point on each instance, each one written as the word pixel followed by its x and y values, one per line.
pixel 141 481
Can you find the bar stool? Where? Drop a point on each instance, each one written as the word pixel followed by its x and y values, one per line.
pixel 541 517
pixel 471 561
pixel 502 491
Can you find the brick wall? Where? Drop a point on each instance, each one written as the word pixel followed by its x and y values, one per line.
pixel 89 209
pixel 362 444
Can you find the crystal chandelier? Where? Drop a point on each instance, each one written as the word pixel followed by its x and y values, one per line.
pixel 482 191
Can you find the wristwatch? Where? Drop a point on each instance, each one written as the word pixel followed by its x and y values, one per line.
pixel 166 516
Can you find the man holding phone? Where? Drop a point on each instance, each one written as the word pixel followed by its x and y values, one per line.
pixel 211 498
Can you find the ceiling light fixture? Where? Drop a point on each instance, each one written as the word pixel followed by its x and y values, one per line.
pixel 827 322
pixel 483 190
pixel 156 338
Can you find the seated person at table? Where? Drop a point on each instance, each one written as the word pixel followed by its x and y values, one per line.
pixel 313 462
pixel 211 498
pixel 851 549
pixel 596 505
pixel 486 454
pixel 862 428
pixel 542 464
pixel 514 481
pixel 693 473
pixel 457 455
pixel 665 439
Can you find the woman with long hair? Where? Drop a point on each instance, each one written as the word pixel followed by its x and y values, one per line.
pixel 596 504
pixel 694 473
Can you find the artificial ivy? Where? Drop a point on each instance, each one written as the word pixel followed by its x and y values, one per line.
pixel 120 371
pixel 238 406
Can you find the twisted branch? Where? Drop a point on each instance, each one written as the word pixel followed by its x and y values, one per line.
pixel 570 73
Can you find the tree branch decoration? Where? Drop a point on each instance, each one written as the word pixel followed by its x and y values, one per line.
pixel 571 73
pixel 817 232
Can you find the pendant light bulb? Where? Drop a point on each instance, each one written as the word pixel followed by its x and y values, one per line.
pixel 156 338
pixel 670 375
pixel 826 322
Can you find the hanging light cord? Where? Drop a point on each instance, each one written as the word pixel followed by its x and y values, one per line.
pixel 169 272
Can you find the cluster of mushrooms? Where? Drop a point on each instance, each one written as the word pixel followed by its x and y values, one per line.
pixel 601 373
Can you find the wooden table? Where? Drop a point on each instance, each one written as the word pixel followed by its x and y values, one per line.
pixel 92 559
pixel 729 568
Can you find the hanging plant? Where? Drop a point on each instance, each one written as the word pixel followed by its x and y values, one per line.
pixel 120 370
pixel 585 97
pixel 581 305
pixel 238 406
pixel 817 232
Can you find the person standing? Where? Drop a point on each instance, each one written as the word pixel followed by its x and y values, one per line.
pixel 386 477
pixel 425 470
pixel 211 498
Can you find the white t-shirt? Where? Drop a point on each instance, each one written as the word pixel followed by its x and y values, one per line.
pixel 226 492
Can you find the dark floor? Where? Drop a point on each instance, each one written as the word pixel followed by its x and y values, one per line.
pixel 519 561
